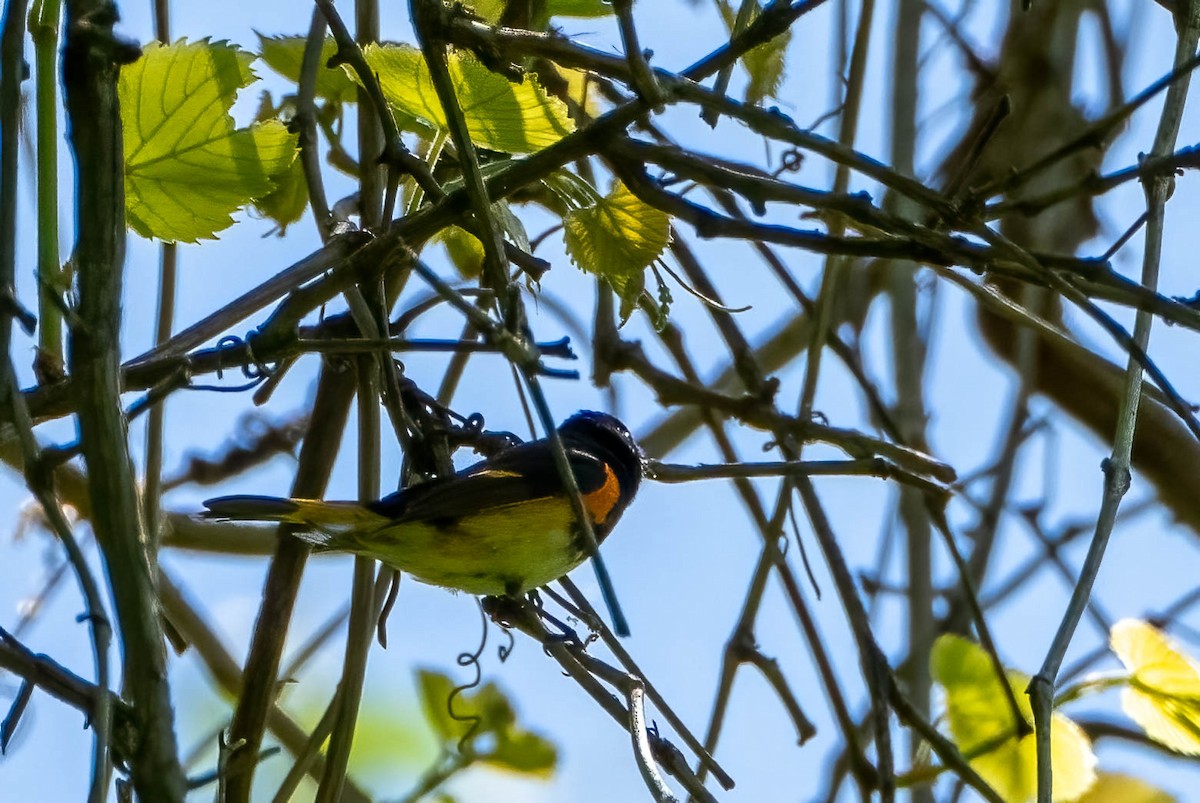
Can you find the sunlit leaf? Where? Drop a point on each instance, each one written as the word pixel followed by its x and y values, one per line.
pixel 434 690
pixel 187 169
pixel 492 707
pixel 286 203
pixel 581 89
pixel 1114 788
pixel 578 8
pixel 488 10
pixel 451 720
pixel 496 739
pixel 1163 695
pixel 982 726
pixel 464 250
pixel 524 752
pixel 500 116
pixel 285 54
pixel 764 63
pixel 617 237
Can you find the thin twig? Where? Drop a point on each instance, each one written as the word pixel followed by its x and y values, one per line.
pixel 1117 466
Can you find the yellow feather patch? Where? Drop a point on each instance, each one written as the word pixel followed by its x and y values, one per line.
pixel 506 549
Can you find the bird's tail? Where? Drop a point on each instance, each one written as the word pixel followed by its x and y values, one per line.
pixel 326 523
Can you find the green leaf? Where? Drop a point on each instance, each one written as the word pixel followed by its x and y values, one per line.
pixel 500 116
pixel 435 689
pixel 578 8
pixel 285 54
pixel 1111 787
pixel 572 190
pixel 492 707
pixel 523 752
pixel 488 10
pixel 286 203
pixel 981 725
pixel 488 704
pixel 1163 695
pixel 513 748
pixel 187 169
pixel 464 250
pixel 617 238
pixel 764 63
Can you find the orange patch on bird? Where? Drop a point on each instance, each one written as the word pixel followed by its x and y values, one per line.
pixel 600 502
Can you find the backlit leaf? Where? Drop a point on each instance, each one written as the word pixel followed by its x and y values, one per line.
pixel 285 54
pixel 1111 787
pixel 1163 695
pixel 496 740
pixel 523 752
pixel 765 62
pixel 488 10
pixel 464 250
pixel 578 8
pixel 435 689
pixel 286 203
pixel 617 237
pixel 187 169
pixel 581 89
pixel 500 116
pixel 981 725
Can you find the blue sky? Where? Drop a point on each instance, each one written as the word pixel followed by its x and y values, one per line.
pixel 683 554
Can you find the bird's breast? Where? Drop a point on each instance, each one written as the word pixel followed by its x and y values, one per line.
pixel 500 550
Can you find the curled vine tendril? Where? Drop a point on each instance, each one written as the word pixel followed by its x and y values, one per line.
pixel 469 659
pixel 255 369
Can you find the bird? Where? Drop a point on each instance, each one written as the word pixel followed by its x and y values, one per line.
pixel 501 527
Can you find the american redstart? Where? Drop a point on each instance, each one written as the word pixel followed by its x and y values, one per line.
pixel 502 526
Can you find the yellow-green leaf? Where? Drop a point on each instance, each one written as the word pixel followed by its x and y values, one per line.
pixel 1111 787
pixel 187 169
pixel 581 88
pixel 1163 695
pixel 285 54
pixel 523 752
pixel 464 250
pixel 286 203
pixel 764 63
pixel 500 116
pixel 488 10
pixel 982 726
pixel 486 712
pixel 451 721
pixel 435 689
pixel 617 238
pixel 578 8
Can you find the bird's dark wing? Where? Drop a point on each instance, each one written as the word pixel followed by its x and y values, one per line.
pixel 515 475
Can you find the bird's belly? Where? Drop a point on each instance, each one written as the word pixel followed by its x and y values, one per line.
pixel 507 549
